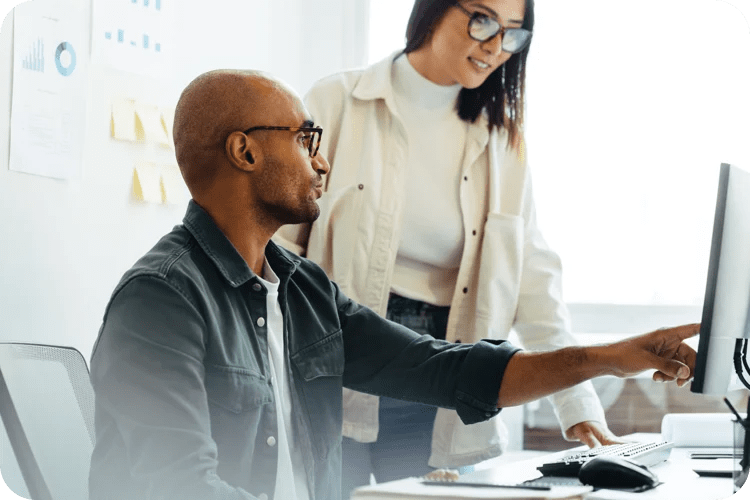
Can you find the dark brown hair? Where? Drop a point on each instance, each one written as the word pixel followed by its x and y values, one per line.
pixel 502 93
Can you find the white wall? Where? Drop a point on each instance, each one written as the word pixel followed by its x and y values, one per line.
pixel 65 244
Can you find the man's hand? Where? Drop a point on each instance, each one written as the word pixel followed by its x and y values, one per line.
pixel 533 375
pixel 592 434
pixel 663 350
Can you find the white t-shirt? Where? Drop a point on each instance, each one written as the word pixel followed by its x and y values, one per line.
pixel 432 236
pixel 291 482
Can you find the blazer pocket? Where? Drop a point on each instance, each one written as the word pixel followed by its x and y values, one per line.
pixel 332 242
pixel 500 272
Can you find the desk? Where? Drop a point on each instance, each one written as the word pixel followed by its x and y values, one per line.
pixel 680 482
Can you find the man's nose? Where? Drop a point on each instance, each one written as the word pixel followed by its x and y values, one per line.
pixel 321 164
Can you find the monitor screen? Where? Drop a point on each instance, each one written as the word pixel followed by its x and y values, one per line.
pixel 726 311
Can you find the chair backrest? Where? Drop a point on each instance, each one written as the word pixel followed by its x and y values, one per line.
pixel 47 406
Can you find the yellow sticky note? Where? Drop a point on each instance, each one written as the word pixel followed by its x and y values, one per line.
pixel 148 126
pixel 146 184
pixel 122 120
pixel 167 121
pixel 173 189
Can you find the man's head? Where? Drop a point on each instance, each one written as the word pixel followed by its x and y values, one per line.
pixel 243 141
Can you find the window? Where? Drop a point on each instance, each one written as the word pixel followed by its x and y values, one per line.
pixel 631 107
pixel 388 20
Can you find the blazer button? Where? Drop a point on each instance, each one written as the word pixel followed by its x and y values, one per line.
pixel 261 322
pixel 257 287
pixel 271 441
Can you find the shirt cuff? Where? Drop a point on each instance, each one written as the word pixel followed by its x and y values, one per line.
pixel 479 380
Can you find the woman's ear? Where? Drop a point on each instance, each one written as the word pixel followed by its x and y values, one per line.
pixel 242 151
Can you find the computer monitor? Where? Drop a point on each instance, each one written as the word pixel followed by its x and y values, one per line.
pixel 726 308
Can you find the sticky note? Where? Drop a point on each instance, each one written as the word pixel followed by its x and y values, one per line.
pixel 146 184
pixel 173 189
pixel 148 124
pixel 122 121
pixel 167 121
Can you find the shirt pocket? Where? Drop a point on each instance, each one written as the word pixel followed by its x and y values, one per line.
pixel 500 271
pixel 236 390
pixel 241 407
pixel 321 369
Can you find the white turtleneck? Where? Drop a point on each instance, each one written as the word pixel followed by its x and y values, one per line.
pixel 432 237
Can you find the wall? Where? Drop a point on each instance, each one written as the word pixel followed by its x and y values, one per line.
pixel 65 244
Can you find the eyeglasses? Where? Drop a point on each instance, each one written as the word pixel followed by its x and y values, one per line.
pixel 312 140
pixel 483 28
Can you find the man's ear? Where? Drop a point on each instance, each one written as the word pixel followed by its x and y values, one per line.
pixel 243 152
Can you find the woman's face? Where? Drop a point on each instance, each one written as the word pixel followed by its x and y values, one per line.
pixel 451 56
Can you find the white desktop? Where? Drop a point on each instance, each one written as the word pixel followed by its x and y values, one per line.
pixel 677 474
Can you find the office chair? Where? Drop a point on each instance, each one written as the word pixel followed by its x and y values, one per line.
pixel 47 406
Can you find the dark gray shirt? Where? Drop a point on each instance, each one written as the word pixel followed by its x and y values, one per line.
pixel 181 374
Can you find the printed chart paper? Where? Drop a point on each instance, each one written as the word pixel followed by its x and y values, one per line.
pixel 133 35
pixel 48 109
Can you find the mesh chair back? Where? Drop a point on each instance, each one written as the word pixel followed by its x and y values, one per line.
pixel 47 406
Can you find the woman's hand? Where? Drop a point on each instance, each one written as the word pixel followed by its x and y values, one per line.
pixel 592 434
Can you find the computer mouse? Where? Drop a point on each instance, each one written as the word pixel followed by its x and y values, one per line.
pixel 616 472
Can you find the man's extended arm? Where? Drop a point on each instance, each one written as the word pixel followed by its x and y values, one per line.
pixel 533 375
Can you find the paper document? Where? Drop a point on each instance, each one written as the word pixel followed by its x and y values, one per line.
pixel 134 36
pixel 48 110
pixel 413 488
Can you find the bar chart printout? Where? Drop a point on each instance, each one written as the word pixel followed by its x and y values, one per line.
pixel 49 88
pixel 34 59
pixel 133 35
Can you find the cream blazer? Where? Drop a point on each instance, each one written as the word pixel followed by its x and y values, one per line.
pixel 508 277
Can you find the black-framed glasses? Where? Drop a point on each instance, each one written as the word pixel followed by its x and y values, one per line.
pixel 483 28
pixel 312 140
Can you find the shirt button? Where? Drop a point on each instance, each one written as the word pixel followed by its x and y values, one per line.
pixel 262 496
pixel 257 287
pixel 466 290
pixel 271 441
pixel 488 414
pixel 361 187
pixel 458 341
pixel 261 322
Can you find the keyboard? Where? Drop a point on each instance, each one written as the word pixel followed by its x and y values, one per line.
pixel 647 454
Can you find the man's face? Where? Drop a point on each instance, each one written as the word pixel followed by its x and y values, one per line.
pixel 290 181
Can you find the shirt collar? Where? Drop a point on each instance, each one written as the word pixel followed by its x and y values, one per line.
pixel 225 257
pixel 376 83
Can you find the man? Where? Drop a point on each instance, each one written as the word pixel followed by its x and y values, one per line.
pixel 220 361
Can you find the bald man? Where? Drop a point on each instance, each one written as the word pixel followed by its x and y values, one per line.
pixel 219 366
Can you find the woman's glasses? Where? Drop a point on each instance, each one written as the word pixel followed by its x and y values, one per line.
pixel 312 139
pixel 483 28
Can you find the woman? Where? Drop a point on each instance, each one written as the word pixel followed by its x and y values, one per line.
pixel 428 218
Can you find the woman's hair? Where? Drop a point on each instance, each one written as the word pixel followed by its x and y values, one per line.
pixel 502 93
